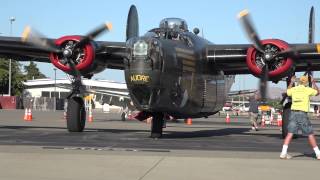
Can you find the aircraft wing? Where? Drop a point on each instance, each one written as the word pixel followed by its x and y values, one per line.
pixel 104 54
pixel 270 59
pixel 244 59
pixel 13 47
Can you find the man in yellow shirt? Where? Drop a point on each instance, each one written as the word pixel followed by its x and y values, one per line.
pixel 299 114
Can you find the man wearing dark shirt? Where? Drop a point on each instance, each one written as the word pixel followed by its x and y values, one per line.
pixel 253 110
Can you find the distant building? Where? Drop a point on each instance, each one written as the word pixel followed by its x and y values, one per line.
pixel 48 88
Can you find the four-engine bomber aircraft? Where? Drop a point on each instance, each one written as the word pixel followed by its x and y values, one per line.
pixel 169 70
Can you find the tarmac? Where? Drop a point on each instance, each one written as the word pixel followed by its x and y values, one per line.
pixel 112 149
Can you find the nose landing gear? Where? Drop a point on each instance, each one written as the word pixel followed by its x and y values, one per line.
pixel 157 125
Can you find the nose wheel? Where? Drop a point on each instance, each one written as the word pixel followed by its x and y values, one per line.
pixel 157 125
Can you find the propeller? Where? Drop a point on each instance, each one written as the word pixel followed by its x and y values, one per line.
pixel 264 83
pixel 35 38
pixel 267 56
pixel 93 34
pixel 311 40
pixel 132 23
pixel 251 33
pixel 311 26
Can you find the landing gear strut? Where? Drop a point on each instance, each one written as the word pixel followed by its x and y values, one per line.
pixel 157 125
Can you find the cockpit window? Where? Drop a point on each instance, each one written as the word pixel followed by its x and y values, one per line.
pixel 175 24
pixel 166 34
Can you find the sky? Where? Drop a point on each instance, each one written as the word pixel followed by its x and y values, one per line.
pixel 283 19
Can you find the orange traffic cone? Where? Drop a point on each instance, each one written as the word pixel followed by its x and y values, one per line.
pixel 25 117
pixel 90 119
pixel 189 121
pixel 227 118
pixel 279 120
pixel 263 121
pixel 29 116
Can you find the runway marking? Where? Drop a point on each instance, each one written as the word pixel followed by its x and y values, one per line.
pixel 105 149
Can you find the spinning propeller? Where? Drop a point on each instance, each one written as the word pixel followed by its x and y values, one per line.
pixel 269 56
pixel 35 38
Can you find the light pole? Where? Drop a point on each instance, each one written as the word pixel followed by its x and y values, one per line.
pixel 55 82
pixel 12 19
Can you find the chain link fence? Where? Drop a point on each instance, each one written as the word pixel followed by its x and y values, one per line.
pixel 44 103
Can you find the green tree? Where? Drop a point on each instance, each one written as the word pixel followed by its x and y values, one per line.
pixel 33 72
pixel 16 77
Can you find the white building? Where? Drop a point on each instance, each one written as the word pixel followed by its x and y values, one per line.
pixel 60 88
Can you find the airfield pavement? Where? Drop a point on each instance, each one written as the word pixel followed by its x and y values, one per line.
pixel 112 149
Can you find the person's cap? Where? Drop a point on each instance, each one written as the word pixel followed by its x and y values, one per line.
pixel 303 80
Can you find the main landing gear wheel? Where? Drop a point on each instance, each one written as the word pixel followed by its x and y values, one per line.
pixel 157 125
pixel 76 114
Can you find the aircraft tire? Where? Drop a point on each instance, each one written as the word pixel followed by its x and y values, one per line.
pixel 157 125
pixel 76 115
pixel 285 119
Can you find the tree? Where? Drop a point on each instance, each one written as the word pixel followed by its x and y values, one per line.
pixel 16 77
pixel 33 72
pixel 275 103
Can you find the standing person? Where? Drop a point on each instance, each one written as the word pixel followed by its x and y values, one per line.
pixel 253 110
pixel 299 114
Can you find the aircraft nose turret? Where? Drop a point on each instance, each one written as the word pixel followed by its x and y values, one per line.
pixel 142 71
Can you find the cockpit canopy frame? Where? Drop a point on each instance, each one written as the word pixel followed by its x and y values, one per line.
pixel 175 24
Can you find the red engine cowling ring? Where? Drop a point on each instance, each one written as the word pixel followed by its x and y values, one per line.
pixel 277 73
pixel 88 49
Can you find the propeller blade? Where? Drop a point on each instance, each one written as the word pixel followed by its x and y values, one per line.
pixel 132 23
pixel 93 34
pixel 311 26
pixel 264 83
pixel 250 31
pixel 35 38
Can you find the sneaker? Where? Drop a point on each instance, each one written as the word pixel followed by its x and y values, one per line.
pixel 285 156
pixel 318 157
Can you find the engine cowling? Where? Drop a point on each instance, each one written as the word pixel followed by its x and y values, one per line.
pixel 82 57
pixel 279 67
